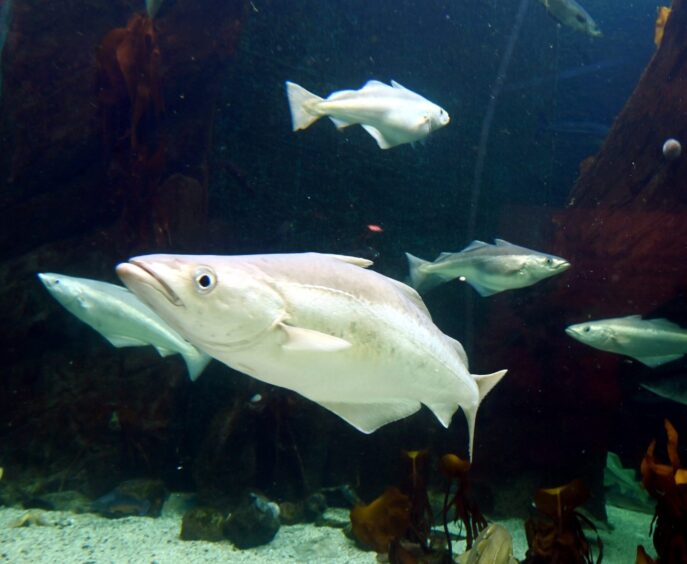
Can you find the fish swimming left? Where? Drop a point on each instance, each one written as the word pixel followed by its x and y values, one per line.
pixel 393 115
pixel 120 317
pixel 489 269
pixel 358 343
pixel 572 15
pixel 650 341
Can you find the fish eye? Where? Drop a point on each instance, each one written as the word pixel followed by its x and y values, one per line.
pixel 587 329
pixel 549 261
pixel 580 18
pixel 204 279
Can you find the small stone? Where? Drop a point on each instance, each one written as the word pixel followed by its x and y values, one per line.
pixel 202 523
pixel 254 523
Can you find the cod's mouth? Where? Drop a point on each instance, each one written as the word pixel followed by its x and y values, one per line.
pixel 137 272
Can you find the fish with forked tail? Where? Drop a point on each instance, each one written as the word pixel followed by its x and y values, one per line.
pixel 392 115
pixel 650 341
pixel 489 269
pixel 120 317
pixel 354 341
pixel 570 14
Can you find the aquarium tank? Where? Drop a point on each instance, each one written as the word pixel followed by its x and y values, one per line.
pixel 343 281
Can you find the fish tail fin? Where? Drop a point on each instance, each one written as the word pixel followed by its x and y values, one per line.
pixel 418 279
pixel 300 104
pixel 485 383
pixel 196 363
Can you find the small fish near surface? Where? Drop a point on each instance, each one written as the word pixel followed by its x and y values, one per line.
pixel 489 269
pixel 358 343
pixel 392 115
pixel 570 14
pixel 650 341
pixel 120 317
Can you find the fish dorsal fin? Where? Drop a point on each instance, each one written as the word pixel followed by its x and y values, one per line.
pixel 374 83
pixel 369 416
pixel 443 256
pixel 474 246
pixel 378 136
pixel 400 86
pixel 502 243
pixel 299 339
pixel 662 323
pixel 412 295
pixel 458 347
pixel 632 318
pixel 485 382
pixel 357 261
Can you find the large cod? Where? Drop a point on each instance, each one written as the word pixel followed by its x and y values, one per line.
pixel 354 341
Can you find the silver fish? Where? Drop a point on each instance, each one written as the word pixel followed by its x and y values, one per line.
pixel 393 115
pixel 354 341
pixel 489 269
pixel 120 317
pixel 670 387
pixel 650 341
pixel 572 15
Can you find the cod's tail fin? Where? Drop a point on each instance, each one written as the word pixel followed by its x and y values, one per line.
pixel 419 279
pixel 300 103
pixel 485 383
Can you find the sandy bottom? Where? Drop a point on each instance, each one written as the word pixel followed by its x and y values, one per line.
pixel 60 537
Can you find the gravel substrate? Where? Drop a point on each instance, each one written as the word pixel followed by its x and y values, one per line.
pixel 60 537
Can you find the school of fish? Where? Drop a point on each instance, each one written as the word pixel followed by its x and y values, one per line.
pixel 358 343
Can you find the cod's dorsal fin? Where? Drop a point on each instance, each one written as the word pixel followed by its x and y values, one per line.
pixel 373 83
pixel 475 245
pixel 309 340
pixel 412 295
pixel 485 382
pixel 395 84
pixel 357 261
pixel 502 243
pixel 443 256
pixel 458 347
pixel 662 323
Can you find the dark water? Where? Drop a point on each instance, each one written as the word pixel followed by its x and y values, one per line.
pixel 79 194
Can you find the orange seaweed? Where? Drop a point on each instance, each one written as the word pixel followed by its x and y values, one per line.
pixel 559 537
pixel 667 484
pixel 383 521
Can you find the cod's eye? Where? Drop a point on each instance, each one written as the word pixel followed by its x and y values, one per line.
pixel 549 261
pixel 204 279
pixel 587 329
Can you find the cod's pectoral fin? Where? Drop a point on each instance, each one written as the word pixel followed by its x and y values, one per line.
pixel 482 290
pixel 356 261
pixel 654 361
pixel 378 136
pixel 309 340
pixel 367 417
